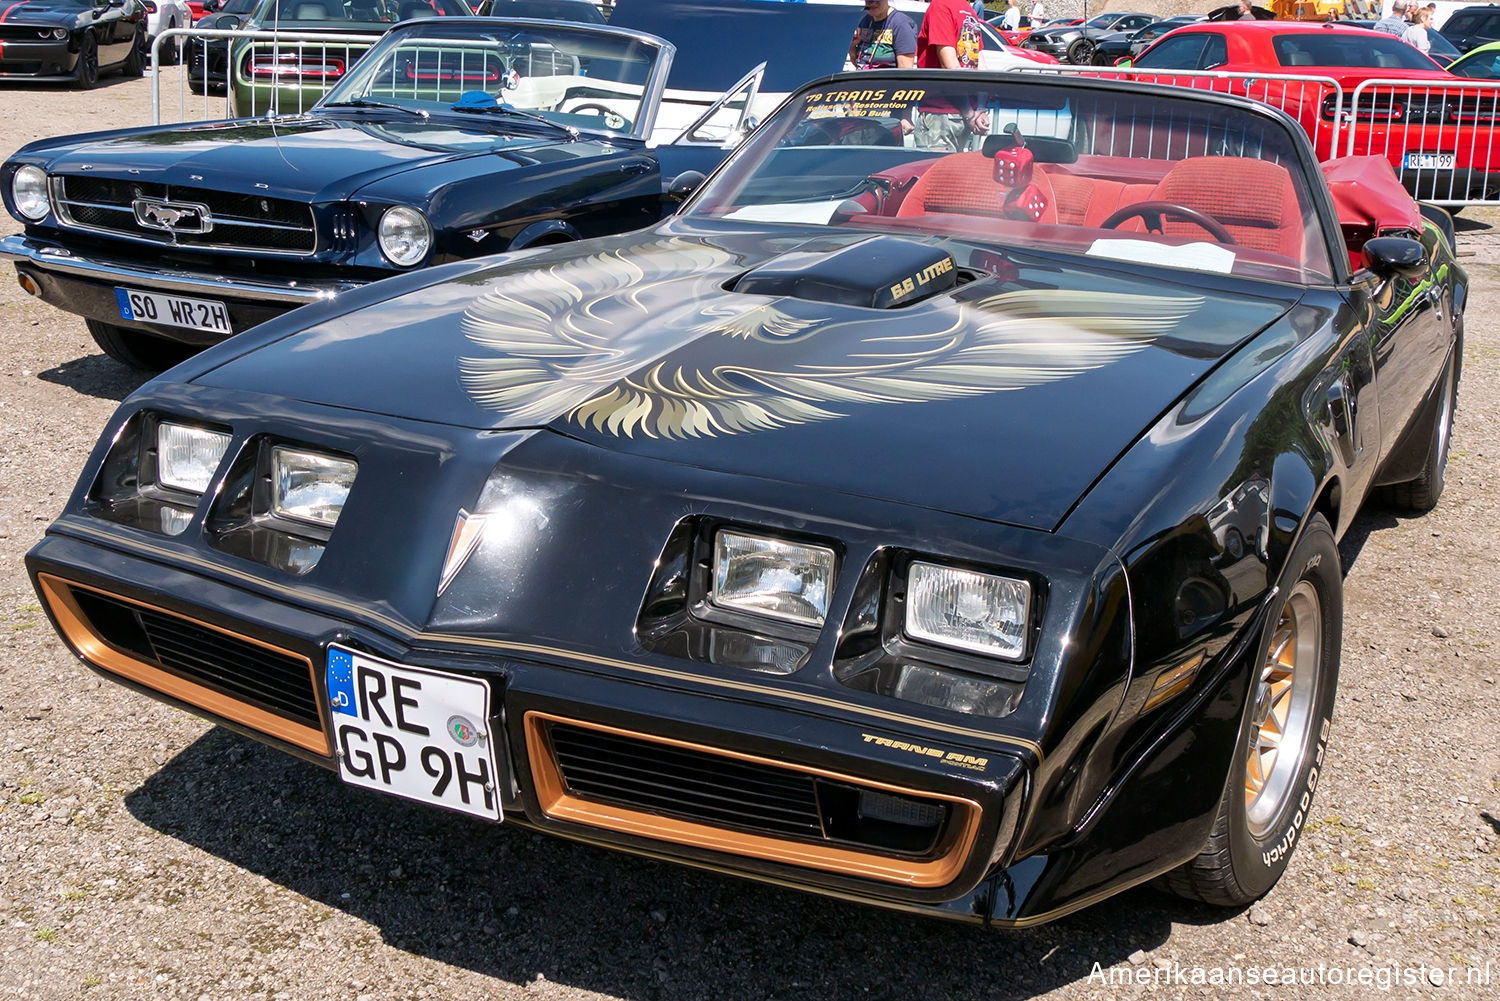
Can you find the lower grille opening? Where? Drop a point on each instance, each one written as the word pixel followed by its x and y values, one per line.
pixel 673 781
pixel 689 794
pixel 242 680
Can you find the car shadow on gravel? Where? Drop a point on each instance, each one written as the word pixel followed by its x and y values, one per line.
pixel 97 376
pixel 514 905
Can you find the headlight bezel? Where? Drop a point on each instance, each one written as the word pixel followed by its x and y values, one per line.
pixel 41 209
pixel 404 235
pixel 128 488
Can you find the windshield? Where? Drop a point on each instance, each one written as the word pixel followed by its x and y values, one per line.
pixel 1105 172
pixel 573 75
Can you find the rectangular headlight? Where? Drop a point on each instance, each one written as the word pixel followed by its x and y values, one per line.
pixel 187 456
pixel 308 486
pixel 978 612
pixel 771 577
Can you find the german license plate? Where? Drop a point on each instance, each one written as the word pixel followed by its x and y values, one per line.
pixel 412 732
pixel 173 310
pixel 1429 161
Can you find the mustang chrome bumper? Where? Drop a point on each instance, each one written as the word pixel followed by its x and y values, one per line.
pixel 60 261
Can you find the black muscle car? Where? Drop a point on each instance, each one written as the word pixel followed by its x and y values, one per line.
pixel 72 40
pixel 940 511
pixel 456 138
pixel 1075 43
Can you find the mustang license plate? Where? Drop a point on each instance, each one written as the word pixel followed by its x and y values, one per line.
pixel 173 310
pixel 1429 161
pixel 412 732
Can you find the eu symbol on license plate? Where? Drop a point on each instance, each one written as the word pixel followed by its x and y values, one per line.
pixel 413 732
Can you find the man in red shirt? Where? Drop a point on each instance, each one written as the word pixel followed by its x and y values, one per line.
pixel 946 40
pixel 950 39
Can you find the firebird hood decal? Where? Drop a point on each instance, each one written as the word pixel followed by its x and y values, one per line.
pixel 557 343
pixel 639 346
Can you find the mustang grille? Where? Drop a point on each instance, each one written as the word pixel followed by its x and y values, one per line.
pixel 687 783
pixel 240 222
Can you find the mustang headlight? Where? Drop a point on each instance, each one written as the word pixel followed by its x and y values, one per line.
pixel 783 580
pixel 29 189
pixel 405 236
pixel 966 610
pixel 187 456
pixel 309 486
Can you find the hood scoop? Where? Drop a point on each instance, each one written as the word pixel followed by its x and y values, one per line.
pixel 883 272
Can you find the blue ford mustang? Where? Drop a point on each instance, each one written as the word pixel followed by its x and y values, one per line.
pixel 454 138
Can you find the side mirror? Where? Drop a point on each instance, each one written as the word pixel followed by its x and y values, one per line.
pixel 685 184
pixel 1125 62
pixel 1396 255
pixel 230 22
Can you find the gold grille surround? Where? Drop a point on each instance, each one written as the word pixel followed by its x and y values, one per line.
pixel 100 653
pixel 939 869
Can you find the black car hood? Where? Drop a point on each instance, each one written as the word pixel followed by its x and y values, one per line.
pixel 310 157
pixel 41 12
pixel 1003 398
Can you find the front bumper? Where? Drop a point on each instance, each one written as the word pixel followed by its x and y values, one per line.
pixel 1459 186
pixel 50 59
pixel 100 598
pixel 1057 49
pixel 85 284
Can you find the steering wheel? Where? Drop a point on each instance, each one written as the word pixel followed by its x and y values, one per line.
pixel 610 115
pixel 1151 214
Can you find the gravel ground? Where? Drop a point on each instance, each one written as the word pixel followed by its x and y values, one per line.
pixel 144 853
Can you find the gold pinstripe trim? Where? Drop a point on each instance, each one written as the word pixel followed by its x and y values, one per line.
pixel 300 597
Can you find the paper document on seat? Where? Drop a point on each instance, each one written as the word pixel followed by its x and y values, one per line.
pixel 1197 256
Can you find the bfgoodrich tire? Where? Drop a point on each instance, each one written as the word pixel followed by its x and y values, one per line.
pixel 1283 735
pixel 137 349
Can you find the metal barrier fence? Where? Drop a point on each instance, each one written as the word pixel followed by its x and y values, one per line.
pixel 1442 140
pixel 242 74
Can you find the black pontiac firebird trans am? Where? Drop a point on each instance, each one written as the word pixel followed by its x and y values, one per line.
pixel 935 519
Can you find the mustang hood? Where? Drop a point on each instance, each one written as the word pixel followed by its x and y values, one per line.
pixel 297 152
pixel 874 365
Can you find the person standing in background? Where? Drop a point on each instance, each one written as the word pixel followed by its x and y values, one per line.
pixel 883 38
pixel 1416 35
pixel 1394 23
pixel 1012 21
pixel 950 39
pixel 1038 13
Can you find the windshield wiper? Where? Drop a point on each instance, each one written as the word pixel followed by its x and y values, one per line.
pixel 505 109
pixel 367 102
